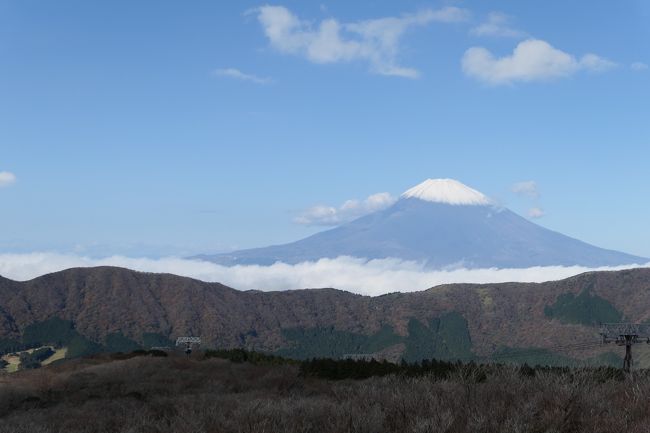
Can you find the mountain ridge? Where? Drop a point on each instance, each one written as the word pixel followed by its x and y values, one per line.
pixel 106 301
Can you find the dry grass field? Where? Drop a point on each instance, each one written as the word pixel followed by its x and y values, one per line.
pixel 175 394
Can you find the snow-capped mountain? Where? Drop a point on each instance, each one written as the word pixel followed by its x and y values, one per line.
pixel 448 191
pixel 444 224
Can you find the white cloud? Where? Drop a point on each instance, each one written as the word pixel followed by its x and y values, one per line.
pixel 375 277
pixel 527 188
pixel 239 75
pixel 375 41
pixel 592 62
pixel 531 60
pixel 7 178
pixel 536 212
pixel 639 66
pixel 497 25
pixel 332 216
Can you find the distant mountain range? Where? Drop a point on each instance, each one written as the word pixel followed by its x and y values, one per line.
pixel 443 224
pixel 105 308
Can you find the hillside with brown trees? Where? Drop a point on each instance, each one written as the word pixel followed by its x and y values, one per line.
pixel 451 321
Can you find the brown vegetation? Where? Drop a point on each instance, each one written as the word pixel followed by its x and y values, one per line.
pixel 145 394
pixel 105 300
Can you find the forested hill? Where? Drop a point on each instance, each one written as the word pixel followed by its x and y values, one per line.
pixel 107 308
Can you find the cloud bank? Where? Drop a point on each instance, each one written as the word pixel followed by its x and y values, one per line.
pixel 375 277
pixel 375 41
pixel 531 60
pixel 322 215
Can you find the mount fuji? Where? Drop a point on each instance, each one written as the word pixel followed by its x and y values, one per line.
pixel 444 225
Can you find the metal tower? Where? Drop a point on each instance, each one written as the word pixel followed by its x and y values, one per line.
pixel 188 341
pixel 625 334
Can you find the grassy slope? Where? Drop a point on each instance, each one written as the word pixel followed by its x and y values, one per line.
pixel 59 354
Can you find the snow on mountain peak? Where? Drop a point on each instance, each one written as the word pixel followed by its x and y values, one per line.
pixel 447 191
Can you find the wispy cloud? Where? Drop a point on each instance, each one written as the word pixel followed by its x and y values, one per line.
pixel 497 25
pixel 527 188
pixel 322 215
pixel 531 60
pixel 594 63
pixel 376 41
pixel 373 277
pixel 639 66
pixel 7 178
pixel 239 75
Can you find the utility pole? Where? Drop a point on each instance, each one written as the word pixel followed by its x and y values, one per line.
pixel 625 334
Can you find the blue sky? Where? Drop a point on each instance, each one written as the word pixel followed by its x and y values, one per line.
pixel 173 128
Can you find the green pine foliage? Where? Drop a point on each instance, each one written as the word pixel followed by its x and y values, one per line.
pixel 137 353
pixel 346 368
pixel 446 337
pixel 81 346
pixel 341 369
pixel 54 331
pixel 584 309
pixel 545 357
pixel 8 345
pixel 241 355
pixel 117 342
pixel 333 369
pixel 610 359
pixel 151 339
pixel 531 356
pixel 332 343
pixel 59 333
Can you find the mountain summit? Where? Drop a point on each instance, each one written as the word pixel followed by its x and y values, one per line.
pixel 447 191
pixel 442 224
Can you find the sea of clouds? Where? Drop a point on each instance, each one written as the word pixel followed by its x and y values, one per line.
pixel 374 277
